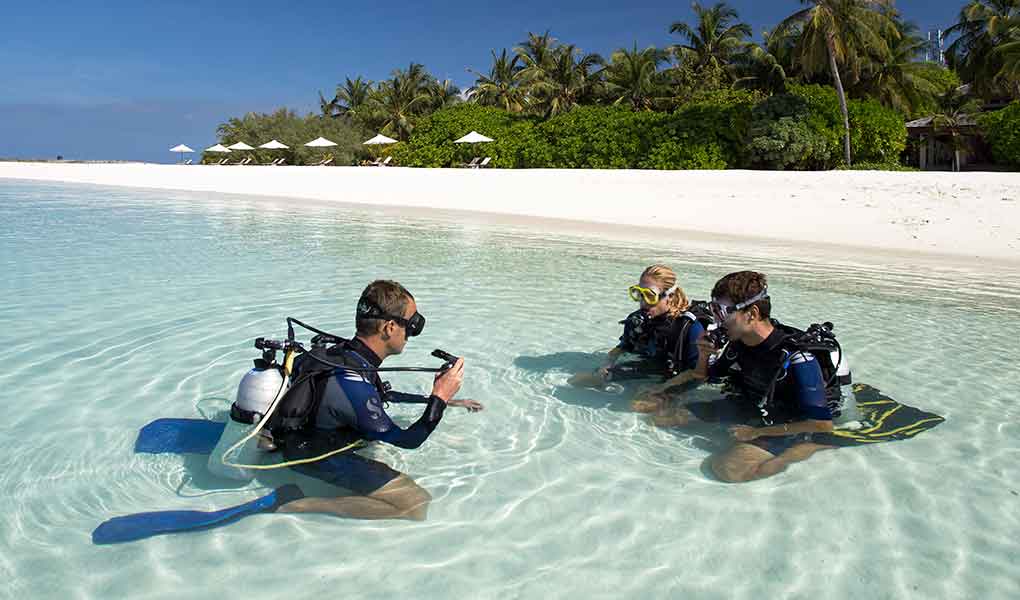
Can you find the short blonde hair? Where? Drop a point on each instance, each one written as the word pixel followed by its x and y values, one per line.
pixel 665 278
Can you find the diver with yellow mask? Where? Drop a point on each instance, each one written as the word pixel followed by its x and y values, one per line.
pixel 662 336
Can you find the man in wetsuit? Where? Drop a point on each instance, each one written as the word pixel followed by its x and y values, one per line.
pixel 352 407
pixel 782 394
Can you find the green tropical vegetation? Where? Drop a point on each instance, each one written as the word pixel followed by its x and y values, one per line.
pixel 830 86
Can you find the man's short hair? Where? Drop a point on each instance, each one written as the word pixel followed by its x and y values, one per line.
pixel 742 286
pixel 390 296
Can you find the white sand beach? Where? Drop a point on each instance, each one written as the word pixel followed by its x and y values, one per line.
pixel 963 215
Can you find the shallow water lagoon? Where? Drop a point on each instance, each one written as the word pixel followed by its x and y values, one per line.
pixel 122 306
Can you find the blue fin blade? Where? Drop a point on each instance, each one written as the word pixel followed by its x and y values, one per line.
pixel 142 525
pixel 179 436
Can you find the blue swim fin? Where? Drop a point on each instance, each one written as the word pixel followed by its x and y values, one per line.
pixel 142 525
pixel 179 436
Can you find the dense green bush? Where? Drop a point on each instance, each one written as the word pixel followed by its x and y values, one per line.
pixel 601 137
pixel 431 143
pixel 1002 130
pixel 788 131
pixel 675 155
pixel 292 130
pixel 720 119
pixel 877 134
pixel 801 129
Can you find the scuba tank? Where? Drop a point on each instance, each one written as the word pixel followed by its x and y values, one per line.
pixel 256 392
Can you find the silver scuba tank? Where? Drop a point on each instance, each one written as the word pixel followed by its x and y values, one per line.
pixel 255 394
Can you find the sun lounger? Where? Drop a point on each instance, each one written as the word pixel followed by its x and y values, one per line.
pixel 473 163
pixel 278 162
pixel 484 163
pixel 327 160
pixel 187 162
pixel 223 161
pixel 386 162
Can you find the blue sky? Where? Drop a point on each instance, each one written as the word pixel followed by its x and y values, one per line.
pixel 128 80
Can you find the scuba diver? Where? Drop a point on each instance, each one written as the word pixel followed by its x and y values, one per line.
pixel 318 406
pixel 336 407
pixel 790 384
pixel 663 333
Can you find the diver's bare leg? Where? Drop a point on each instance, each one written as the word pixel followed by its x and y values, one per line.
pixel 674 417
pixel 747 462
pixel 401 498
pixel 589 379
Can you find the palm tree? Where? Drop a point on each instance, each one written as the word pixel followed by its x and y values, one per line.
pixel 536 54
pixel 954 108
pixel 834 33
pixel 502 86
pixel 632 77
pixel 717 38
pixel 444 94
pixel 568 78
pixel 981 28
pixel 397 102
pixel 352 97
pixel 556 77
pixel 327 107
pixel 1009 53
pixel 758 69
pixel 897 79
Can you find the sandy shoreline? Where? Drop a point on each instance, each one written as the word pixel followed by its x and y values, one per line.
pixel 968 216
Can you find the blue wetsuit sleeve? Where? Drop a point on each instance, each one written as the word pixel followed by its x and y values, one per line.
pixel 690 357
pixel 374 424
pixel 402 398
pixel 807 376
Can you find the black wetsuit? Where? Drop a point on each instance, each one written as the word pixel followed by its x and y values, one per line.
pixel 798 395
pixel 351 409
pixel 667 346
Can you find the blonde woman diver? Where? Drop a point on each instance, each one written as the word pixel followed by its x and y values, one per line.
pixel 663 335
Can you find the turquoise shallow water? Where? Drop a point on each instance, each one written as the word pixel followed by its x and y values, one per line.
pixel 121 306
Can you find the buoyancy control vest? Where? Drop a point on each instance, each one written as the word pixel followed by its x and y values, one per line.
pixel 300 403
pixel 819 341
pixel 665 337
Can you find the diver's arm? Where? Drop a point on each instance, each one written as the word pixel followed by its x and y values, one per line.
pixel 403 398
pixel 704 370
pixel 681 379
pixel 383 429
pixel 810 389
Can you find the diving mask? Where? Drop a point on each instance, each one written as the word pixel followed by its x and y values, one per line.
pixel 649 295
pixel 370 310
pixel 721 312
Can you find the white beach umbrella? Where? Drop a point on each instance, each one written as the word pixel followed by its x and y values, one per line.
pixel 218 148
pixel 181 148
pixel 473 138
pixel 274 145
pixel 320 142
pixel 240 146
pixel 380 140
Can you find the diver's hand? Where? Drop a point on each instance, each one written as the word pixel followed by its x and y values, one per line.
pixel 447 384
pixel 744 433
pixel 470 405
pixel 705 345
pixel 603 372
